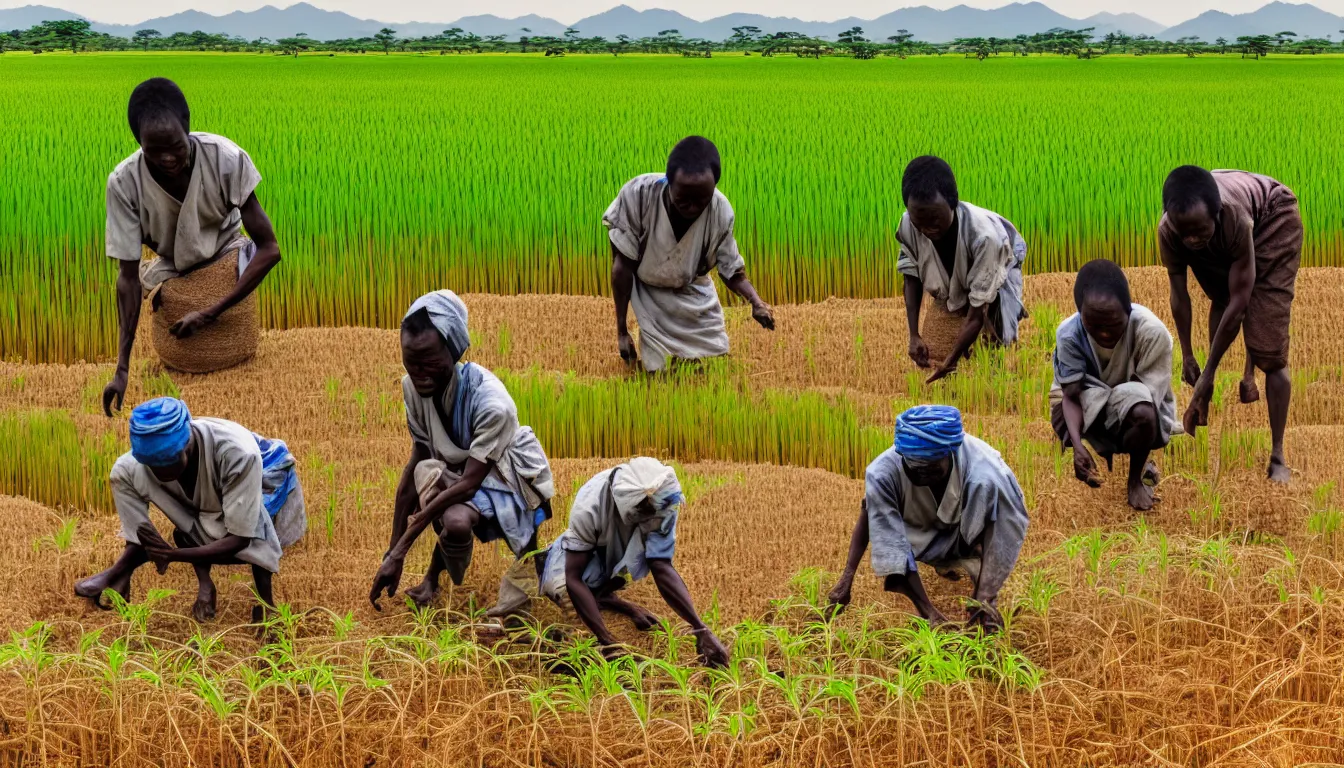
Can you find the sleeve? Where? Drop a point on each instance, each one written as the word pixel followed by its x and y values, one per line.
pixel 1070 361
pixel 238 176
pixel 416 418
pixel 660 544
pixel 991 256
pixel 624 219
pixel 726 255
pixel 493 425
pixel 584 517
pixel 131 505
pixel 890 547
pixel 907 263
pixel 1152 359
pixel 123 237
pixel 240 495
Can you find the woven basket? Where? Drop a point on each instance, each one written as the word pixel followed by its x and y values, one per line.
pixel 229 341
pixel 939 329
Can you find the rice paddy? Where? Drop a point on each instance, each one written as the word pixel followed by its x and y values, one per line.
pixel 490 173
pixel 1204 633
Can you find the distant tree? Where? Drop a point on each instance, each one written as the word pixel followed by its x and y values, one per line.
pixel 1190 46
pixel 496 42
pixel 852 35
pixel 385 38
pixel 621 45
pixel 668 40
pixel 144 37
pixel 1254 46
pixel 523 40
pixel 744 37
pixel 67 32
pixel 292 45
pixel 1282 37
pixel 1222 44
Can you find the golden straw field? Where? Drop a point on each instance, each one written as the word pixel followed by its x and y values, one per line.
pixel 1208 633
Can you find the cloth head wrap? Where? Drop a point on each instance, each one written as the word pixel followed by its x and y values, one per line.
pixel 644 478
pixel 449 316
pixel 928 432
pixel 160 431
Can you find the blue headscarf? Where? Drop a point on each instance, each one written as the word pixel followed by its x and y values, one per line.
pixel 160 431
pixel 928 432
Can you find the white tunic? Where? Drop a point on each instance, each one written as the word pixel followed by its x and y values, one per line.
pixel 227 498
pixel 675 303
pixel 206 224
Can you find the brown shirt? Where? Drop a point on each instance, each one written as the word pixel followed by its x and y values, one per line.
pixel 1249 201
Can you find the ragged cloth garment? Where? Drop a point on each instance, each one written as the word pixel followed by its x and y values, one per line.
pixel 233 488
pixel 483 425
pixel 448 314
pixel 675 303
pixel 609 520
pixel 907 525
pixel 1139 370
pixel 987 269
pixel 184 235
pixel 1260 215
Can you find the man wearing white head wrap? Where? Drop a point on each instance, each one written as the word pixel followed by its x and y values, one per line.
pixel 474 472
pixel 623 526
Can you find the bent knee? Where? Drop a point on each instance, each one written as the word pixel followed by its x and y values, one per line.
pixel 458 523
pixel 1142 418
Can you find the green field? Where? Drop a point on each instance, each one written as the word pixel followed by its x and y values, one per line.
pixel 387 176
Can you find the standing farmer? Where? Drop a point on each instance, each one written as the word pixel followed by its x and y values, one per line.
pixel 473 473
pixel 944 498
pixel 968 259
pixel 187 196
pixel 1241 234
pixel 1112 383
pixel 667 232
pixel 233 497
pixel 624 524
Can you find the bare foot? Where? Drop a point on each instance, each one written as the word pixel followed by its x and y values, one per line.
pixel 1279 472
pixel 93 587
pixel 423 594
pixel 1248 391
pixel 204 608
pixel 1151 475
pixel 1141 497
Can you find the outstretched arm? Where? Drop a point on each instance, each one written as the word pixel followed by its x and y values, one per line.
pixel 673 589
pixel 407 500
pixel 259 228
pixel 622 285
pixel 913 288
pixel 970 330
pixel 585 603
pixel 1178 277
pixel 129 297
pixel 1083 467
pixel 760 311
pixel 1240 283
pixel 161 552
pixel 858 544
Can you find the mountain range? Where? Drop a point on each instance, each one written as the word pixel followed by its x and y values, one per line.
pixel 924 22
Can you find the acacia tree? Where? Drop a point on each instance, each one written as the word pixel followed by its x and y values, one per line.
pixel 901 41
pixel 386 37
pixel 144 37
pixel 67 32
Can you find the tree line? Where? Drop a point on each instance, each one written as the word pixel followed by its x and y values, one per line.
pixel 76 35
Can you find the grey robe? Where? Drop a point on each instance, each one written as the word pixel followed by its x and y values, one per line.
pixel 674 300
pixel 906 525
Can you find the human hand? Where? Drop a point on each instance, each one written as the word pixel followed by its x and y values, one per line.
pixel 1190 370
pixel 159 551
pixel 840 594
pixel 115 391
pixel 191 323
pixel 1084 468
pixel 919 351
pixel 946 369
pixel 1197 412
pixel 711 649
pixel 985 616
pixel 626 346
pixel 387 579
pixel 764 315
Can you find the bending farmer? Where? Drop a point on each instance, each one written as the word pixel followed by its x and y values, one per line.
pixel 473 473
pixel 968 259
pixel 1241 234
pixel 624 525
pixel 667 232
pixel 944 498
pixel 1113 381
pixel 233 497
pixel 187 196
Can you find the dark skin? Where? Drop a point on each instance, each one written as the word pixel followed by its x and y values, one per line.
pixel 589 606
pixel 1105 320
pixel 936 219
pixel 154 549
pixel 170 159
pixel 686 198
pixel 1196 228
pixel 934 476
pixel 430 364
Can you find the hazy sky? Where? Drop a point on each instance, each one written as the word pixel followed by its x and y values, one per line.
pixel 568 11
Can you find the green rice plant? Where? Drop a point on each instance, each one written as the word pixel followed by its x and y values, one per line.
pixel 61 539
pixel 46 458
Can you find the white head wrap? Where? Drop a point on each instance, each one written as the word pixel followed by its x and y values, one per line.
pixel 449 316
pixel 640 479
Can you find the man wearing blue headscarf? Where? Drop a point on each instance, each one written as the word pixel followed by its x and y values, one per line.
pixel 943 498
pixel 232 496
pixel 473 473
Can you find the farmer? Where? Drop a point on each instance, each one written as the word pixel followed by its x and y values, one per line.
pixel 623 525
pixel 968 259
pixel 667 232
pixel 1241 234
pixel 1112 383
pixel 943 498
pixel 473 473
pixel 232 496
pixel 187 196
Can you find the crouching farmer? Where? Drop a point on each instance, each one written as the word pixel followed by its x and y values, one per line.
pixel 1113 381
pixel 233 498
pixel 623 525
pixel 943 498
